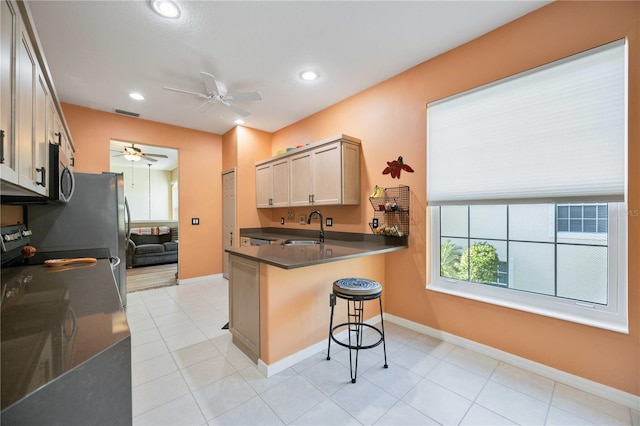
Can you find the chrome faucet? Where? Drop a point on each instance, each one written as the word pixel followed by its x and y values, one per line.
pixel 317 212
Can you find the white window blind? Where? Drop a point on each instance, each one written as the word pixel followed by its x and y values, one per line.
pixel 556 133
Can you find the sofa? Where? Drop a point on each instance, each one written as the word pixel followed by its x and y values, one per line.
pixel 153 245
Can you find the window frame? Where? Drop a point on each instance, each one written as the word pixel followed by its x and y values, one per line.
pixel 613 316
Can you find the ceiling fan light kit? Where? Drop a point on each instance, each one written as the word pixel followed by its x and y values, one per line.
pixel 216 93
pixel 134 154
pixel 132 157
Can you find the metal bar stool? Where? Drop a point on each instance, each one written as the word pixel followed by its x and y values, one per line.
pixel 356 291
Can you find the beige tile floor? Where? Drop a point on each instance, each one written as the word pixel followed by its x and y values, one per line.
pixel 186 371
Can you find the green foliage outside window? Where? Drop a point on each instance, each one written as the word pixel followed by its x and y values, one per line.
pixel 479 263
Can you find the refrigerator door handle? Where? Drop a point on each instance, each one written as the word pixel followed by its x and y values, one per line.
pixel 128 223
pixel 115 261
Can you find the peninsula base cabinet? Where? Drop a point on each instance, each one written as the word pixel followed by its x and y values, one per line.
pixel 244 305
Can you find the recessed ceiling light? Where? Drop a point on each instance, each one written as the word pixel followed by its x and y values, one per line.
pixel 166 8
pixel 308 75
pixel 136 96
pixel 238 121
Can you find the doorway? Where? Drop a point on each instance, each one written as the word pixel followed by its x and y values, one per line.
pixel 228 216
pixel 151 187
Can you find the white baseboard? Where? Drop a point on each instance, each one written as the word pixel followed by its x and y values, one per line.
pixel 595 388
pixel 271 369
pixel 197 280
pixel 586 385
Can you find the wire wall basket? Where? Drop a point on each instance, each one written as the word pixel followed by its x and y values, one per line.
pixel 391 212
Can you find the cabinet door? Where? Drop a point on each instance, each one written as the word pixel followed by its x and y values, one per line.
pixel 280 183
pixel 25 84
pixel 8 31
pixel 40 147
pixel 350 174
pixel 327 175
pixel 300 179
pixel 244 305
pixel 263 185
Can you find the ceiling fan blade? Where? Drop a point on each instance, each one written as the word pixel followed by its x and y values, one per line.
pixel 146 157
pixel 236 109
pixel 204 106
pixel 202 95
pixel 245 96
pixel 210 83
pixel 119 155
pixel 155 155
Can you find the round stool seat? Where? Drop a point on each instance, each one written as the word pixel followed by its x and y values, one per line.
pixel 357 287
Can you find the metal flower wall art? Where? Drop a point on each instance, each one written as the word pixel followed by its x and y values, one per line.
pixel 395 167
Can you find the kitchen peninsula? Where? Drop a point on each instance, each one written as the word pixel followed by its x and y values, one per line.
pixel 279 292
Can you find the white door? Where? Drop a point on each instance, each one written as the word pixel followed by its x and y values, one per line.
pixel 229 236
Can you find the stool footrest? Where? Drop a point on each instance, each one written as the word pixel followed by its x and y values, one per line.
pixel 346 345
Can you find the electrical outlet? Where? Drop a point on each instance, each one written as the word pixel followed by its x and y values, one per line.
pixel 329 221
pixel 302 219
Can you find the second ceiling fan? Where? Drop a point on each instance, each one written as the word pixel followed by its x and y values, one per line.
pixel 132 153
pixel 216 92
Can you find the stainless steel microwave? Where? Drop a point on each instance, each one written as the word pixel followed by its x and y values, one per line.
pixel 61 180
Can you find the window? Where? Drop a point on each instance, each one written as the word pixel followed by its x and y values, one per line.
pixel 519 217
pixel 515 251
pixel 587 218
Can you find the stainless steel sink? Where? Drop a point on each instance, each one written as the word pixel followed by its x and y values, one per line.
pixel 300 243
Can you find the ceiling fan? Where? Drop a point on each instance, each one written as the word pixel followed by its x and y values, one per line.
pixel 216 92
pixel 134 154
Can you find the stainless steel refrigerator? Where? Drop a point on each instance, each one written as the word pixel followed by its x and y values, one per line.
pixel 95 217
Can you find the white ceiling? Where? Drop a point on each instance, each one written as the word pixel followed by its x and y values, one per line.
pixel 100 51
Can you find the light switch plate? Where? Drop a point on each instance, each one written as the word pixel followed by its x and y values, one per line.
pixel 282 221
pixel 195 221
pixel 302 221
pixel 329 221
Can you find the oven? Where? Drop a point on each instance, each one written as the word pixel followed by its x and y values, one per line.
pixel 61 180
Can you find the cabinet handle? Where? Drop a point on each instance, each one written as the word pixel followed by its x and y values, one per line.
pixel 59 135
pixel 73 161
pixel 270 201
pixel 2 147
pixel 43 172
pixel 231 239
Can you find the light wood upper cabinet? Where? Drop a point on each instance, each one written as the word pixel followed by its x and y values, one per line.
pixel 301 179
pixel 272 184
pixel 324 173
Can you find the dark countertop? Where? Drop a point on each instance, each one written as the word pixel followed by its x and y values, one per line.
pixel 337 246
pixel 53 320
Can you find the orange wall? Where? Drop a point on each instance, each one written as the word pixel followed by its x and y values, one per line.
pixel 253 145
pixel 390 118
pixel 293 316
pixel 242 148
pixel 199 168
